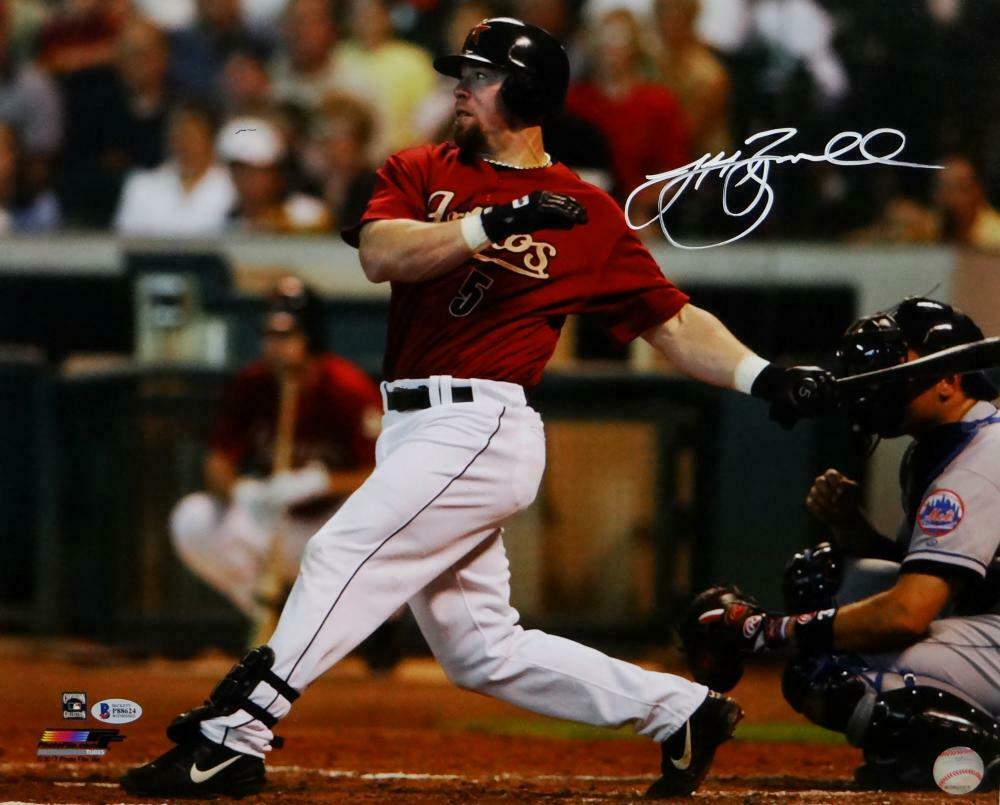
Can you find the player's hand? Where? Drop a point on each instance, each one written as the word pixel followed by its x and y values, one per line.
pixel 252 495
pixel 796 392
pixel 834 499
pixel 292 487
pixel 541 209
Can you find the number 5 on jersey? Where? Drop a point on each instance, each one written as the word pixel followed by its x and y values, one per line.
pixel 471 293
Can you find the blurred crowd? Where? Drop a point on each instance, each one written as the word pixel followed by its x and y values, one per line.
pixel 197 117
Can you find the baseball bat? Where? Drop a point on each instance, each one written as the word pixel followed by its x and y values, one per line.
pixel 973 357
pixel 267 592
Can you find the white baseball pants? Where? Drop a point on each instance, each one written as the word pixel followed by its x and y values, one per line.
pixel 425 529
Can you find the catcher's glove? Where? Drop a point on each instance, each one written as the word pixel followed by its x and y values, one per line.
pixel 721 625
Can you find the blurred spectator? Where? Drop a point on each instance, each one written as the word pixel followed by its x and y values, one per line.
pixel 263 17
pixel 724 24
pixel 400 74
pixel 168 15
pixel 420 21
pixel 902 221
pixel 787 73
pixel 198 51
pixel 643 122
pixel 21 210
pixel 190 195
pixel 77 46
pixel 246 84
pixel 339 160
pixel 80 36
pixel 967 216
pixel 139 119
pixel 30 102
pixel 690 69
pixel 961 213
pixel 258 159
pixel 25 20
pixel 433 117
pixel 801 32
pixel 304 70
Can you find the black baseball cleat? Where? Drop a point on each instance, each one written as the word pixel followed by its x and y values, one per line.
pixel 687 754
pixel 198 769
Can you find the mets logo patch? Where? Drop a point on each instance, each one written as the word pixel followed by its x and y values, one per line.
pixel 940 513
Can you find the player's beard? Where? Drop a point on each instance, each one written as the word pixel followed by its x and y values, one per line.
pixel 470 139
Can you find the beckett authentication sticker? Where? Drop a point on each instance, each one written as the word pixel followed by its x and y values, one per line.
pixel 116 711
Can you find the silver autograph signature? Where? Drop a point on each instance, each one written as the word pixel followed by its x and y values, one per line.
pixel 846 149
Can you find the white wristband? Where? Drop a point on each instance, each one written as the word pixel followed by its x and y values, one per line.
pixel 473 233
pixel 747 371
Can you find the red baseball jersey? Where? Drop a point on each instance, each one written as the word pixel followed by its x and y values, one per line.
pixel 498 315
pixel 337 417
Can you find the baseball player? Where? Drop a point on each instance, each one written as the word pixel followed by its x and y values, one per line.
pixel 488 246
pixel 898 637
pixel 253 511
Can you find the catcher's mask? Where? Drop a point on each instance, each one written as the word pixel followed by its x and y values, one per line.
pixel 884 339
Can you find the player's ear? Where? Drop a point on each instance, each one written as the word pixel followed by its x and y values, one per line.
pixel 948 386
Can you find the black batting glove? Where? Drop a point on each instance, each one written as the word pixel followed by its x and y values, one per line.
pixel 541 209
pixel 796 392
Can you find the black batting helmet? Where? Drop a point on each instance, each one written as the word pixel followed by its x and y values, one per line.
pixel 536 65
pixel 884 339
pixel 293 306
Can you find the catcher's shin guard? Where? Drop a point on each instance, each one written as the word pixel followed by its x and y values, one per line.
pixel 911 726
pixel 233 693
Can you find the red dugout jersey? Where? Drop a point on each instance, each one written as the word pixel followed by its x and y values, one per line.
pixel 337 417
pixel 498 315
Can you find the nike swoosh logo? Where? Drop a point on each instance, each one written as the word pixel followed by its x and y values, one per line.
pixel 685 759
pixel 199 776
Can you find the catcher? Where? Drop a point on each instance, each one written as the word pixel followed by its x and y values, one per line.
pixel 896 639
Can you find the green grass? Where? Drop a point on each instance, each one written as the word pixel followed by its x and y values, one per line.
pixel 568 730
pixel 786 732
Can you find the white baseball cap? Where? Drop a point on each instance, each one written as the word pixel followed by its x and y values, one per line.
pixel 252 140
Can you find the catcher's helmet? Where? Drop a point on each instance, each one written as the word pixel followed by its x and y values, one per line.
pixel 883 339
pixel 536 64
pixel 293 306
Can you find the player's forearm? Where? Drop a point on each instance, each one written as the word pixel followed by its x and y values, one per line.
pixel 415 251
pixel 700 345
pixel 879 623
pixel 887 621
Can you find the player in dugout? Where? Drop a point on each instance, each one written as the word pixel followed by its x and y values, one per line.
pixel 897 638
pixel 293 437
pixel 488 245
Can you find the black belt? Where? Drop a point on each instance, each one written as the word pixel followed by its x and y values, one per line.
pixel 416 399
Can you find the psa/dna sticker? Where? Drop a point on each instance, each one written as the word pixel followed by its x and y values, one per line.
pixel 940 513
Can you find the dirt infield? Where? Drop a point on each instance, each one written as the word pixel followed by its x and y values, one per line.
pixel 406 737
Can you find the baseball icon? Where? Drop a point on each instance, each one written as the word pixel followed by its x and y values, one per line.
pixel 958 770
